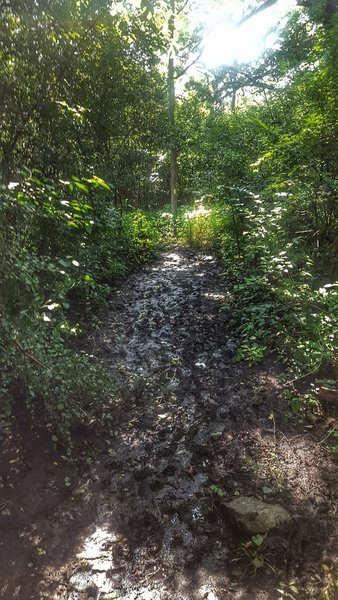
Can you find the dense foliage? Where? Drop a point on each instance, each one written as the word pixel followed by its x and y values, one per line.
pixel 81 92
pixel 62 246
pixel 270 164
pixel 85 148
pixel 82 102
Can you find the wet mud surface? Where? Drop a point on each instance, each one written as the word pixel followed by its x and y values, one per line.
pixel 193 429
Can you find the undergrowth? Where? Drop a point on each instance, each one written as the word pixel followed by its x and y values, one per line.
pixel 283 297
pixel 63 245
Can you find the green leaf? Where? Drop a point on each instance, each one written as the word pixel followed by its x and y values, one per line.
pixel 98 182
pixel 258 539
pixel 64 263
pixel 217 490
pixel 258 562
pixel 82 187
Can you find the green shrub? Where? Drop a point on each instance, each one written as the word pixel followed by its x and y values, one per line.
pixel 279 300
pixel 201 225
pixel 62 246
pixel 277 304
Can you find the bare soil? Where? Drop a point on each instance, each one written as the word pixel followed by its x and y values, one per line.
pixel 142 515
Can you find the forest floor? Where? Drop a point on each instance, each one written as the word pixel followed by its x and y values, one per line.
pixel 139 518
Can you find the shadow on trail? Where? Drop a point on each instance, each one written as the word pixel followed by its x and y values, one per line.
pixel 189 417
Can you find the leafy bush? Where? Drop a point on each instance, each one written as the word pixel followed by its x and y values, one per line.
pixel 280 300
pixel 57 386
pixel 62 246
pixel 289 316
pixel 165 225
pixel 201 225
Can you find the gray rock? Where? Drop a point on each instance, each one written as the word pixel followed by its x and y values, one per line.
pixel 256 516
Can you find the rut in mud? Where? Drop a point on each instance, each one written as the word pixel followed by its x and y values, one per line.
pixel 189 417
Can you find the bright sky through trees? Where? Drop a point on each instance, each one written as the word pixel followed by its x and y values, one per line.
pixel 225 42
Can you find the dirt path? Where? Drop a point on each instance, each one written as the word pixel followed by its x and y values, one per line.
pixel 146 524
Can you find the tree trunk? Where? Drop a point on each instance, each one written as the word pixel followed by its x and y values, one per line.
pixel 173 148
pixel 233 101
pixel 171 93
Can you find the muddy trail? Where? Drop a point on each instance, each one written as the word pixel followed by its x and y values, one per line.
pixel 193 430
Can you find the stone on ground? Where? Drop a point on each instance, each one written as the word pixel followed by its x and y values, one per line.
pixel 256 516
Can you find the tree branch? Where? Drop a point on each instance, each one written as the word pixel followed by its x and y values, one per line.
pixel 257 10
pixel 189 65
pixel 29 356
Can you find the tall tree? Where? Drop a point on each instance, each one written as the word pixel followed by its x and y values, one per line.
pixel 183 50
pixel 171 109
